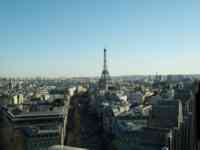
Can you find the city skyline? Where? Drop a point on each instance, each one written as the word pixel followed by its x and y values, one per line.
pixel 67 38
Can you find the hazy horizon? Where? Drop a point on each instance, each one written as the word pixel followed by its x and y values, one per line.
pixel 67 38
pixel 97 76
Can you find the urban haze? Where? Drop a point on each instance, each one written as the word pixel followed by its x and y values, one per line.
pixel 99 75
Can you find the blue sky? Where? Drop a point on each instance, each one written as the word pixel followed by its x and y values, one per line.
pixel 67 37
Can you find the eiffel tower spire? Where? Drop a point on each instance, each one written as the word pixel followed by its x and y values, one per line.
pixel 105 60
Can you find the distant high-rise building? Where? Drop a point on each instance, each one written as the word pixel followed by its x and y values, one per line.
pixel 105 80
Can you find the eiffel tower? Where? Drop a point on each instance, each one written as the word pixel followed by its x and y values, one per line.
pixel 105 80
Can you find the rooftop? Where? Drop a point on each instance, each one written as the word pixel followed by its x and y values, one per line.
pixel 16 114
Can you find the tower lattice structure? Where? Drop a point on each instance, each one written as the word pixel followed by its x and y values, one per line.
pixel 105 80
